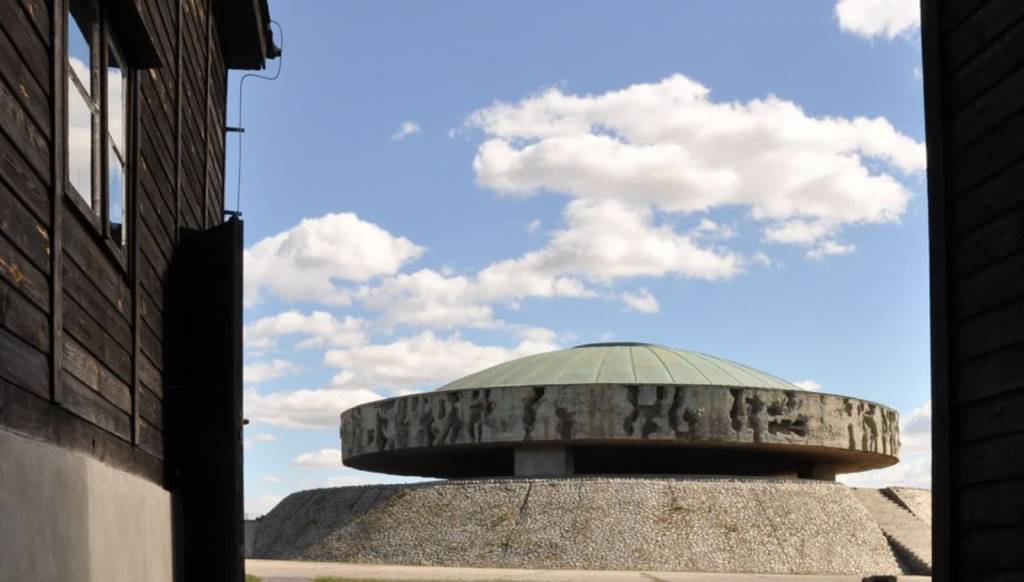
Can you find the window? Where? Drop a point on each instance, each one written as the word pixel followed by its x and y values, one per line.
pixel 97 119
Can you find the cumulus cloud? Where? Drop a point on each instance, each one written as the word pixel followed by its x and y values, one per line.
pixel 916 429
pixel 799 231
pixel 304 409
pixel 322 459
pixel 319 328
pixel 642 301
pixel 353 480
pixel 306 262
pixel 257 506
pixel 830 247
pixel 270 370
pixel 603 241
pixel 885 18
pixel 761 258
pixel 606 240
pixel 427 360
pixel 809 385
pixel 261 437
pixel 370 371
pixel 669 146
pixel 428 298
pixel 270 479
pixel 708 228
pixel 405 130
pixel 909 472
pixel 915 466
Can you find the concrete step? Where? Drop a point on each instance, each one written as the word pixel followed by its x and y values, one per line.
pixel 909 536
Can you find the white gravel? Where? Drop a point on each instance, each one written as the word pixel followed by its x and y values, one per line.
pixel 653 523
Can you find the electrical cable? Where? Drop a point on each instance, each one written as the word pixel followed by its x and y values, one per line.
pixel 240 130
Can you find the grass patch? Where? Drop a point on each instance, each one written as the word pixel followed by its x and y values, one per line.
pixel 251 578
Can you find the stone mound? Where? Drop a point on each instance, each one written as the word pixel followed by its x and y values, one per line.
pixel 673 524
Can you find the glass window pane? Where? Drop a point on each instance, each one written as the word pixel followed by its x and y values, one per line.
pixel 80 138
pixel 82 110
pixel 115 181
pixel 81 31
pixel 117 114
pixel 116 101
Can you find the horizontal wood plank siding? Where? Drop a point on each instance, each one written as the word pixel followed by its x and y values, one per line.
pixel 109 359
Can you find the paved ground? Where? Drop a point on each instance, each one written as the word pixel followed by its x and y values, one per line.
pixel 282 571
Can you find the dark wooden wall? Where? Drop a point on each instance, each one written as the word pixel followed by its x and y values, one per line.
pixel 974 94
pixel 82 334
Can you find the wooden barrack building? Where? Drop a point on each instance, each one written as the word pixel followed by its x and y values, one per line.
pixel 120 288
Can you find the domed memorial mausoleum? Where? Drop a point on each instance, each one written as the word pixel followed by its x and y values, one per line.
pixel 620 408
pixel 608 456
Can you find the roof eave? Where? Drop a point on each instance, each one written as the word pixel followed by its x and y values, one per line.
pixel 245 36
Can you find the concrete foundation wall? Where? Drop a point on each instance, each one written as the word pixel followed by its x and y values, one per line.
pixel 64 516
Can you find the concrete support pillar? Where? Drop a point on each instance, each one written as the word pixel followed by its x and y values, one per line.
pixel 819 472
pixel 544 461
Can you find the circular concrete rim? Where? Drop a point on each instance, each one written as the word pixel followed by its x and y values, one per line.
pixel 838 459
pixel 394 462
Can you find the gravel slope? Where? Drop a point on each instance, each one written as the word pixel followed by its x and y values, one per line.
pixel 919 501
pixel 674 524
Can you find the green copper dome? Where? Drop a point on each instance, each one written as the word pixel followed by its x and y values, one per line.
pixel 619 363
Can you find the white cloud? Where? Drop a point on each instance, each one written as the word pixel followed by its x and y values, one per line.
pixel 916 429
pixel 642 301
pixel 708 228
pixel 305 262
pixel 669 146
pixel 257 506
pixel 369 370
pixel 249 441
pixel 320 327
pixel 760 258
pixel 427 360
pixel 603 241
pixel 809 385
pixel 797 231
pixel 322 459
pixel 915 466
pixel 533 227
pixel 263 371
pixel 913 472
pixel 828 248
pixel 304 409
pixel 428 298
pixel 352 480
pixel 871 18
pixel 405 130
pixel 270 479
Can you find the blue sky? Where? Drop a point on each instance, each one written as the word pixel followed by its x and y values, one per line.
pixel 430 188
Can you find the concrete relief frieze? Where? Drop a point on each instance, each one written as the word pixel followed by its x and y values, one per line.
pixel 619 412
